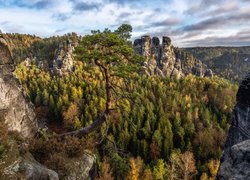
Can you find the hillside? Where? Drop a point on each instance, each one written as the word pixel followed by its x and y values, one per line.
pixel 153 125
pixel 232 63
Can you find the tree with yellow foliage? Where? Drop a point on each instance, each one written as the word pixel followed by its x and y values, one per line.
pixel 105 172
pixel 213 166
pixel 135 168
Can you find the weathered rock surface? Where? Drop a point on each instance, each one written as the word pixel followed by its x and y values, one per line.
pixel 235 162
pixel 15 110
pixel 64 61
pixel 17 165
pixel 165 60
pixel 82 168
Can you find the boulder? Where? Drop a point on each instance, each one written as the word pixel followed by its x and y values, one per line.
pixel 82 168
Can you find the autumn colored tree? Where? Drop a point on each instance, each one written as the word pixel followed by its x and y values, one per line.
pixel 105 172
pixel 188 167
pixel 213 166
pixel 135 168
pixel 182 166
pixel 71 116
pixel 147 174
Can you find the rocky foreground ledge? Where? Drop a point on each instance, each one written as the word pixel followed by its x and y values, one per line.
pixel 17 112
pixel 235 162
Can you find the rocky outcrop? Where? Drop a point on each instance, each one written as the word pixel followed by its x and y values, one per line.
pixel 15 110
pixel 63 61
pixel 16 164
pixel 165 60
pixel 20 164
pixel 235 162
pixel 81 168
pixel 54 54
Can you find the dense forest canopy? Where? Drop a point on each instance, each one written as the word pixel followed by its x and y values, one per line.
pixel 162 127
pixel 232 63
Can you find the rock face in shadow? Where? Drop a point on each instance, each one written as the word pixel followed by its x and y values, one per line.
pixel 22 165
pixel 235 162
pixel 167 61
pixel 15 110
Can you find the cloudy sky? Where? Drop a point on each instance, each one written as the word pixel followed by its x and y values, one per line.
pixel 187 22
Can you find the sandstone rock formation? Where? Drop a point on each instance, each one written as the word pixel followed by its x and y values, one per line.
pixel 63 61
pixel 235 162
pixel 15 110
pixel 21 165
pixel 165 60
pixel 82 168
pixel 54 54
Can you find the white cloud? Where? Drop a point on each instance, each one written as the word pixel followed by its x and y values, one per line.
pixel 159 17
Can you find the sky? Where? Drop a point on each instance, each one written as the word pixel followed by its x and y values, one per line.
pixel 187 22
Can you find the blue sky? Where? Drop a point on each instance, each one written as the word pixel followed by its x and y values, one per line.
pixel 187 22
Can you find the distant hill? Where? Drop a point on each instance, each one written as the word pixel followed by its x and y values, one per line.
pixel 232 63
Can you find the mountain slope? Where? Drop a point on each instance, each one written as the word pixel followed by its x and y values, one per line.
pixel 232 63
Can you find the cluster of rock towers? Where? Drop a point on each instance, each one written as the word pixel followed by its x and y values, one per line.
pixel 165 60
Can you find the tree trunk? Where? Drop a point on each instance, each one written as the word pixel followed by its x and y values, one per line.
pixel 90 128
pixel 97 123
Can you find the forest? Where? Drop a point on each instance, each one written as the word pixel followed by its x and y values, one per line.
pixel 228 62
pixel 157 127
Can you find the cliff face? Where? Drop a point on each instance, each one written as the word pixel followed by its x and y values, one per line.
pixel 15 110
pixel 235 163
pixel 164 60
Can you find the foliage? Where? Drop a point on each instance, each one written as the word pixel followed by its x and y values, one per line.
pixel 213 166
pixel 124 31
pixel 229 62
pixel 105 172
pixel 135 168
pixel 174 126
